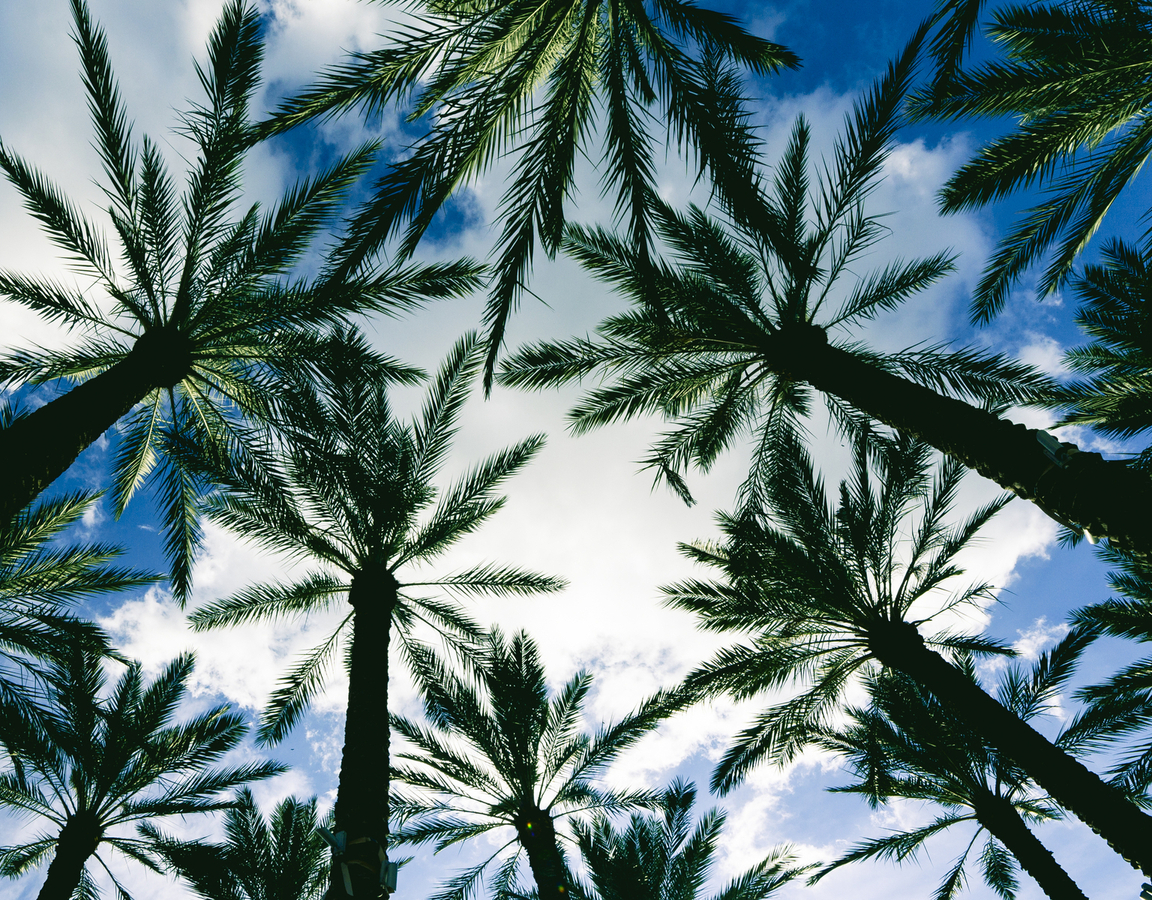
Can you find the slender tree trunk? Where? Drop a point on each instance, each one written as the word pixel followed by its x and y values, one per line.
pixel 78 840
pixel 1083 490
pixel 39 448
pixel 537 836
pixel 1001 819
pixel 362 796
pixel 1070 783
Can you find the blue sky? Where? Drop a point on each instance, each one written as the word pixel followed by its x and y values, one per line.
pixel 581 510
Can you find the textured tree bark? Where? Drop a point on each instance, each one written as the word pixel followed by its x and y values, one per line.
pixel 1070 783
pixel 538 838
pixel 1083 491
pixel 362 795
pixel 78 840
pixel 39 448
pixel 1001 819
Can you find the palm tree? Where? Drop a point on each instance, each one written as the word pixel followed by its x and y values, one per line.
pixel 909 745
pixel 731 336
pixel 88 764
pixel 500 753
pixel 659 858
pixel 280 859
pixel 534 80
pixel 197 309
pixel 826 593
pixel 1075 77
pixel 348 490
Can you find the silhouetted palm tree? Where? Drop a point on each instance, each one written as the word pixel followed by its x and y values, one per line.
pixel 826 592
pixel 197 308
pixel 662 857
pixel 909 745
pixel 732 333
pixel 348 491
pixel 284 858
pixel 90 763
pixel 1075 77
pixel 500 753
pixel 533 81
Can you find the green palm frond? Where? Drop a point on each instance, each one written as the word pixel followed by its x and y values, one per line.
pixel 1073 76
pixel 524 80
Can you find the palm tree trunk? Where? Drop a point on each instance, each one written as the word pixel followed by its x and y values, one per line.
pixel 999 816
pixel 1070 783
pixel 537 835
pixel 1106 497
pixel 361 811
pixel 77 842
pixel 40 447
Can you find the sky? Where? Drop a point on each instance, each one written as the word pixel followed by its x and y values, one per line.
pixel 582 510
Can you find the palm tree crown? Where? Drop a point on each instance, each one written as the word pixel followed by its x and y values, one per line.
pixel 663 858
pixel 825 592
pixel 499 753
pixel 283 858
pixel 354 489
pixel 198 308
pixel 527 78
pixel 87 764
pixel 909 745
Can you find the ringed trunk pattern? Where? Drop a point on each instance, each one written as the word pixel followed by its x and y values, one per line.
pixel 1069 782
pixel 362 795
pixel 1083 491
pixel 998 815
pixel 77 842
pixel 537 835
pixel 39 448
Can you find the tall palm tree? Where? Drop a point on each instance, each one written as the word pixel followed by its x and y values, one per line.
pixel 663 858
pixel 731 335
pixel 1075 77
pixel 909 745
pixel 827 592
pixel 535 80
pixel 283 858
pixel 197 308
pixel 348 490
pixel 89 763
pixel 499 753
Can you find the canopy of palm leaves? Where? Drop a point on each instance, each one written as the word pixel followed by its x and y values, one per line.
pixel 528 79
pixel 499 753
pixel 663 857
pixel 93 761
pixel 283 858
pixel 40 581
pixel 197 307
pixel 1075 77
pixel 909 745
pixel 353 489
pixel 816 585
pixel 827 592
pixel 732 332
pixel 1122 704
pixel 1116 395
